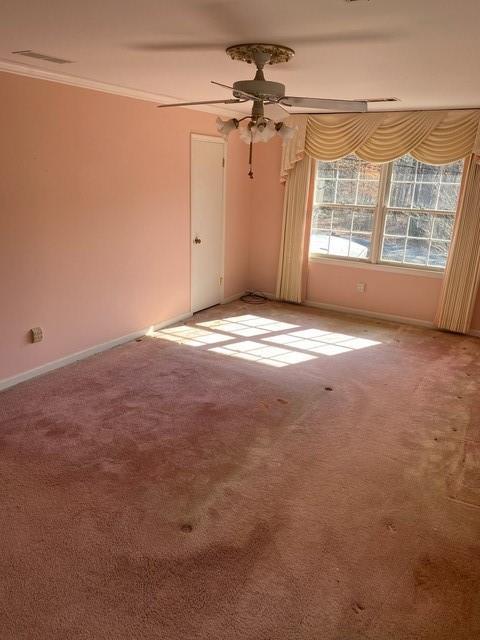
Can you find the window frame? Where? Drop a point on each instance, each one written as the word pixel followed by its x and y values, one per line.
pixel 379 216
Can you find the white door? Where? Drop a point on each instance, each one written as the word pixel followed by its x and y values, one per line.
pixel 207 175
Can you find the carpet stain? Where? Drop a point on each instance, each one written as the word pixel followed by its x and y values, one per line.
pixel 436 575
pixel 186 528
pixel 390 526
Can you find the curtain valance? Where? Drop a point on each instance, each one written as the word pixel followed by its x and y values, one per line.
pixel 433 137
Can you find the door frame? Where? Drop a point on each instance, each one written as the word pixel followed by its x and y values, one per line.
pixel 217 140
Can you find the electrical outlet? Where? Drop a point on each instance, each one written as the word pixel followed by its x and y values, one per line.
pixel 36 334
pixel 361 286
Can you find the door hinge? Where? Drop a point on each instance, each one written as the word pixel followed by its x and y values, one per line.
pixel 223 163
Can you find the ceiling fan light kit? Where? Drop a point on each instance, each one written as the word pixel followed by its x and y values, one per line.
pixel 261 128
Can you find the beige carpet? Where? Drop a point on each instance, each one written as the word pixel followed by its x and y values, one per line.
pixel 283 474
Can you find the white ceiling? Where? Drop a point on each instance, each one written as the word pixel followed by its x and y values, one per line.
pixel 424 52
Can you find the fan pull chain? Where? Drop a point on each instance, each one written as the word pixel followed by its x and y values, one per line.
pixel 250 157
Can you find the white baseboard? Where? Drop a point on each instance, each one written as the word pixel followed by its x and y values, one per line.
pixel 80 355
pixel 369 314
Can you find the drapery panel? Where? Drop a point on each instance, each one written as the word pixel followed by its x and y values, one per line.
pixel 433 137
pixel 295 149
pixel 462 275
pixel 290 267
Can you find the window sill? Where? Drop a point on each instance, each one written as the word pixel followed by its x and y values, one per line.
pixel 369 266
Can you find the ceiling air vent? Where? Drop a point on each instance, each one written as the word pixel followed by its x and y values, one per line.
pixel 42 56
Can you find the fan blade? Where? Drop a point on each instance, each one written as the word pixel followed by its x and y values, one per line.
pixel 247 96
pixel 226 18
pixel 340 38
pixel 324 104
pixel 188 104
pixel 345 37
pixel 219 84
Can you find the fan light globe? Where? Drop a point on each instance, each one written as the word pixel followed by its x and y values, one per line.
pixel 285 132
pixel 260 132
pixel 225 127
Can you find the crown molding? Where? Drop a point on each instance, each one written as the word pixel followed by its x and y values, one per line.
pixel 16 68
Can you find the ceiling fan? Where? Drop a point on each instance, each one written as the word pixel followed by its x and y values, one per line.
pixel 266 91
pixel 269 99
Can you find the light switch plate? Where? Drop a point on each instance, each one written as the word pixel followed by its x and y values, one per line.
pixel 37 334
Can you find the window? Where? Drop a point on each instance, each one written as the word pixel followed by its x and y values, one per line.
pixel 401 212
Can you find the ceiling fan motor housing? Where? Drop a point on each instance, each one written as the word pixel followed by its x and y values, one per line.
pixel 264 89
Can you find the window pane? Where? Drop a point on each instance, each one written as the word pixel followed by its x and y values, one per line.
pixel 438 253
pixel 425 196
pixel 401 194
pixel 342 219
pixel 396 223
pixel 393 249
pixel 442 227
pixel 360 245
pixel 420 225
pixel 319 241
pixel 346 191
pixel 448 197
pixel 322 216
pixel 404 169
pixel 367 193
pixel 452 172
pixel 348 167
pixel 370 171
pixel 362 220
pixel 326 170
pixel 416 251
pixel 428 173
pixel 325 191
pixel 340 243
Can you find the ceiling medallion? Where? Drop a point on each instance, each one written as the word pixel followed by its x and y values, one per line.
pixel 273 53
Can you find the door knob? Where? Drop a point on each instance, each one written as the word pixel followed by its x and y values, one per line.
pixel 197 240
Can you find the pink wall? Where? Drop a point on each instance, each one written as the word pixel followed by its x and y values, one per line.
pixel 94 226
pixel 387 292
pixel 399 294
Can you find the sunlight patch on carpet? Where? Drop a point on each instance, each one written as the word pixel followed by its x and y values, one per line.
pixel 247 326
pixel 326 343
pixel 190 336
pixel 256 352
pixel 285 348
